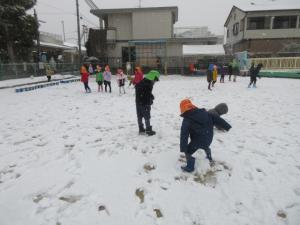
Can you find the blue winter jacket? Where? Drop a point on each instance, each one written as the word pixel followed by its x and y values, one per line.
pixel 198 124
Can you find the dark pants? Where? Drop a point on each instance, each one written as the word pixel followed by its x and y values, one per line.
pixel 252 81
pixel 192 148
pixel 222 79
pixel 49 78
pixel 143 111
pixel 86 87
pixel 107 83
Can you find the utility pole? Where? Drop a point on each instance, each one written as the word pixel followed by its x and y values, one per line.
pixel 37 43
pixel 63 29
pixel 78 32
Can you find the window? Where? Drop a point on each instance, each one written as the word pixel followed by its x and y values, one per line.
pixel 235 29
pixel 284 22
pixel 228 33
pixel 258 23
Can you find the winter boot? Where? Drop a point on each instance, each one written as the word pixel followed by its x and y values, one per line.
pixel 190 165
pixel 149 131
pixel 142 130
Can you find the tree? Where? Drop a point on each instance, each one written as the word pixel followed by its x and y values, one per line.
pixel 17 30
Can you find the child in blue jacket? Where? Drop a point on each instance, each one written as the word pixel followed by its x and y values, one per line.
pixel 197 125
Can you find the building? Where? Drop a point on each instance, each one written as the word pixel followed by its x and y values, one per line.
pixel 263 30
pixel 53 46
pixel 143 36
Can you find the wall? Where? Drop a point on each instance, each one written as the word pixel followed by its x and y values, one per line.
pixel 152 25
pixel 123 24
pixel 268 47
pixel 235 38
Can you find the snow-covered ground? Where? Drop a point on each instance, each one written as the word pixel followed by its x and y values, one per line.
pixel 13 82
pixel 71 158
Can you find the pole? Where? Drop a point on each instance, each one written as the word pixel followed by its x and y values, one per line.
pixel 78 32
pixel 63 29
pixel 38 44
pixel 84 33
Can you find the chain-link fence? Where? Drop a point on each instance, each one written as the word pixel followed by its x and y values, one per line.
pixel 24 70
pixel 165 65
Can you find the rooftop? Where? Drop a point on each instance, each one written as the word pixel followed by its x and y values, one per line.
pixel 279 5
pixel 103 12
pixel 203 50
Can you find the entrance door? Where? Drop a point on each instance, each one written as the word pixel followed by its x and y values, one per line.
pixel 128 54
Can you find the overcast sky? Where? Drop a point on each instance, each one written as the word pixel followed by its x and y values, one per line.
pixel 211 13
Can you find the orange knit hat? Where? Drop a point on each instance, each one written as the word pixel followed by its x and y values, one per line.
pixel 186 105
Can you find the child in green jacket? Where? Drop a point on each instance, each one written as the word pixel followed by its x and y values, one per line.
pixel 99 78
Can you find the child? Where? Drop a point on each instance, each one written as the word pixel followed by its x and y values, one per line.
pixel 223 72
pixel 235 69
pixel 121 80
pixel 209 74
pixel 85 79
pixel 229 71
pixel 130 79
pixel 214 75
pixel 107 78
pixel 138 75
pixel 91 69
pixel 198 125
pixel 143 101
pixel 99 78
pixel 254 74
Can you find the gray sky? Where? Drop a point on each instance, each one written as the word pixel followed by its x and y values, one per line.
pixel 211 13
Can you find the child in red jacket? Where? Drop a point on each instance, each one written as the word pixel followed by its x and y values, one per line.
pixel 85 79
pixel 138 75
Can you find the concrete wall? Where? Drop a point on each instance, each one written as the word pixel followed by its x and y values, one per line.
pixel 115 50
pixel 123 24
pixel 152 25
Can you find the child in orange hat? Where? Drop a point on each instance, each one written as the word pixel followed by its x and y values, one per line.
pixel 197 125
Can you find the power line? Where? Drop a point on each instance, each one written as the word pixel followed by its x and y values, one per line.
pixel 67 12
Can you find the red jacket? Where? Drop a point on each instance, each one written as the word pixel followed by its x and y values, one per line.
pixel 85 77
pixel 138 76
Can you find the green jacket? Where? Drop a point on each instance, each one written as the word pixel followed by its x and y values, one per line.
pixel 99 76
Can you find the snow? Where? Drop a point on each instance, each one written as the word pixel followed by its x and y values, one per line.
pixel 270 5
pixel 203 50
pixel 67 157
pixel 13 82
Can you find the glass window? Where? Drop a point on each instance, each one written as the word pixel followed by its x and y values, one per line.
pixel 258 23
pixel 284 22
pixel 235 29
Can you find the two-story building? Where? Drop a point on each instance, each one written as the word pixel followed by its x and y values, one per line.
pixel 267 30
pixel 144 36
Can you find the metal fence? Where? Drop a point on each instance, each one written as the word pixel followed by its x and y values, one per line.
pixel 24 70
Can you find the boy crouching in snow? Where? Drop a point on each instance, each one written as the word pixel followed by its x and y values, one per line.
pixel 197 124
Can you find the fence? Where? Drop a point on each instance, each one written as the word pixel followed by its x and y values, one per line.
pixel 166 65
pixel 24 70
pixel 278 63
